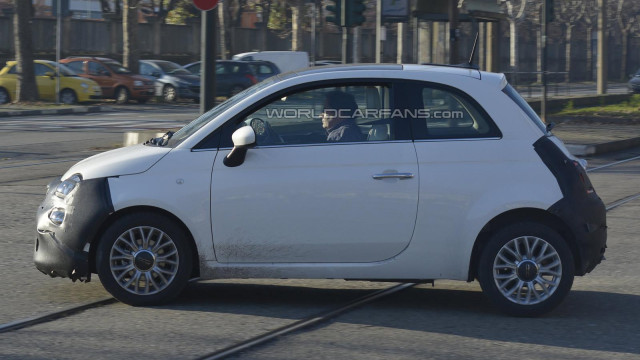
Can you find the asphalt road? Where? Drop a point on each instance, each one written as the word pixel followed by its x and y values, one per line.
pixel 599 319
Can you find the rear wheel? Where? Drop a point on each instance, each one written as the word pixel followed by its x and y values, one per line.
pixel 4 96
pixel 122 95
pixel 68 96
pixel 144 259
pixel 526 269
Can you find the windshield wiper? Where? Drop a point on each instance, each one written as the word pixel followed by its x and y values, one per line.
pixel 160 141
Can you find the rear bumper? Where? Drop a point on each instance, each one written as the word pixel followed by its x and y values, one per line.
pixel 142 93
pixel 588 224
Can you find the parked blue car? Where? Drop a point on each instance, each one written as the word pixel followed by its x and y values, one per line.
pixel 172 81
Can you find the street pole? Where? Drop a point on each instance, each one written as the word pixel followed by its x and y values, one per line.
pixel 208 61
pixel 313 32
pixel 378 30
pixel 453 34
pixel 345 30
pixel 602 48
pixel 356 44
pixel 58 37
pixel 543 33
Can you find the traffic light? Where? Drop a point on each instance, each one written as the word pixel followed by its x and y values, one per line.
pixel 550 14
pixel 336 9
pixel 355 10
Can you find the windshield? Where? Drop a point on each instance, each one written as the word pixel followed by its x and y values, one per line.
pixel 172 68
pixel 205 118
pixel 64 70
pixel 117 68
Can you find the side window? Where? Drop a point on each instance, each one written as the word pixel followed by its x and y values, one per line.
pixel 264 70
pixel 13 70
pixel 146 69
pixel 97 69
pixel 76 66
pixel 41 70
pixel 195 68
pixel 353 113
pixel 440 112
pixel 221 69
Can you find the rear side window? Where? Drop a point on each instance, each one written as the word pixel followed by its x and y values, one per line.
pixel 442 112
pixel 76 66
pixel 513 94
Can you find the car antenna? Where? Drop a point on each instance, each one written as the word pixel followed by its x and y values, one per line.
pixel 473 51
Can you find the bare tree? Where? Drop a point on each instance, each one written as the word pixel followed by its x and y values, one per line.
pixel 569 14
pixel 130 34
pixel 26 86
pixel 515 10
pixel 627 15
pixel 590 19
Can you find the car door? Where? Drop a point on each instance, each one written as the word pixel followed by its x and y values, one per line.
pixel 100 74
pixel 45 81
pixel 298 198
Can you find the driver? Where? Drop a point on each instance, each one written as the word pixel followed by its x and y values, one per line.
pixel 337 118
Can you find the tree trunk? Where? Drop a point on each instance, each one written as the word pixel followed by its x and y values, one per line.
pixel 589 54
pixel 625 52
pixel 129 34
pixel 296 25
pixel 513 51
pixel 567 53
pixel 26 89
pixel 539 55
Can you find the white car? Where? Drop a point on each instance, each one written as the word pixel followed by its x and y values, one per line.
pixel 395 172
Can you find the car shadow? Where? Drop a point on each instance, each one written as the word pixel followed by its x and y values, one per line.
pixel 588 320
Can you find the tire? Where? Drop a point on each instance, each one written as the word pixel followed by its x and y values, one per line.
pixel 4 96
pixel 68 96
pixel 122 95
pixel 169 93
pixel 526 269
pixel 129 267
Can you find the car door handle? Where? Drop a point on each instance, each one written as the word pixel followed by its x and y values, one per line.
pixel 401 176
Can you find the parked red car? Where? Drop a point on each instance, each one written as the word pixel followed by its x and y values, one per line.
pixel 116 81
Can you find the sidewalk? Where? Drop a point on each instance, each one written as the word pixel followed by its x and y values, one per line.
pixel 34 110
pixel 592 137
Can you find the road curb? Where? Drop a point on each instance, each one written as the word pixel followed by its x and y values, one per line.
pixel 74 110
pixel 597 149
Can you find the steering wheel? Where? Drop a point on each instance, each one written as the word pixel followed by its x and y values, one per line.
pixel 265 135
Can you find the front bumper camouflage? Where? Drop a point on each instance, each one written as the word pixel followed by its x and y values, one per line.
pixel 59 249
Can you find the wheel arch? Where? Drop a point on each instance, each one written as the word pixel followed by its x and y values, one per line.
pixel 518 215
pixel 140 209
pixel 2 88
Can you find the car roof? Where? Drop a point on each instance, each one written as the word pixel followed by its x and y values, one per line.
pixel 84 58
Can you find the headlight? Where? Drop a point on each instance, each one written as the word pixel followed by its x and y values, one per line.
pixel 56 216
pixel 84 85
pixel 138 83
pixel 66 187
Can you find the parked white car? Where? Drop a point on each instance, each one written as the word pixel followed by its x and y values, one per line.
pixel 355 172
pixel 284 60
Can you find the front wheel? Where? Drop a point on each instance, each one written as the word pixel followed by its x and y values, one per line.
pixel 169 93
pixel 144 259
pixel 68 96
pixel 526 269
pixel 4 96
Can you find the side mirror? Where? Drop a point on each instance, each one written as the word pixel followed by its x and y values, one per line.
pixel 155 74
pixel 243 139
pixel 49 74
